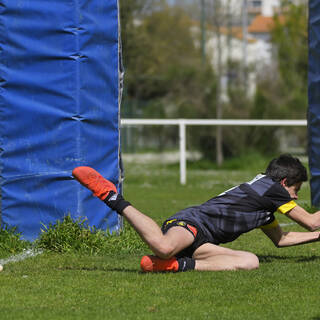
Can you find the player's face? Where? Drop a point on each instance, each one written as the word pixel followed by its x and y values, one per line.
pixel 293 190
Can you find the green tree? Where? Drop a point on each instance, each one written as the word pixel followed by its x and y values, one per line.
pixel 166 76
pixel 163 55
pixel 290 36
pixel 282 89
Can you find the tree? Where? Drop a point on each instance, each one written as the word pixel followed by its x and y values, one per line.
pixel 165 74
pixel 290 36
pixel 282 87
pixel 163 62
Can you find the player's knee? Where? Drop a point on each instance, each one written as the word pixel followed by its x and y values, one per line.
pixel 164 251
pixel 250 261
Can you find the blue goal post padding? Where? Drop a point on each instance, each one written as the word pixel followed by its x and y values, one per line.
pixel 314 100
pixel 60 92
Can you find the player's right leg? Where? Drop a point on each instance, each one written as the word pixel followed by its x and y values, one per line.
pixel 164 246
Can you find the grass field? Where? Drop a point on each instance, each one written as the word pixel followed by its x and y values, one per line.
pixel 108 284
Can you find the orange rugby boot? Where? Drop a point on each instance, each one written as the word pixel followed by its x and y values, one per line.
pixel 94 181
pixel 155 264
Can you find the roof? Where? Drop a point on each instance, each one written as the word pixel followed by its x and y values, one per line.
pixel 234 31
pixel 263 24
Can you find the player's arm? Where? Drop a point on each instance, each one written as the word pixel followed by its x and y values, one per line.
pixel 305 219
pixel 287 239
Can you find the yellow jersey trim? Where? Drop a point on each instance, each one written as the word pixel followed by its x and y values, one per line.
pixel 271 225
pixel 286 207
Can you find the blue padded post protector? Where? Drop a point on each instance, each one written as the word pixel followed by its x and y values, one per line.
pixel 314 100
pixel 60 92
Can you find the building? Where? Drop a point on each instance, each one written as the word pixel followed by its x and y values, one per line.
pixel 246 45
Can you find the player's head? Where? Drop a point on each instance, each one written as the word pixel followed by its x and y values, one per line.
pixel 287 167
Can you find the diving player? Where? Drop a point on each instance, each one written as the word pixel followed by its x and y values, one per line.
pixel 189 240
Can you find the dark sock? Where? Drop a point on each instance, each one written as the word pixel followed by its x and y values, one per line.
pixel 186 264
pixel 116 202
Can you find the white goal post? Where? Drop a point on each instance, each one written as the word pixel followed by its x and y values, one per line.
pixel 183 123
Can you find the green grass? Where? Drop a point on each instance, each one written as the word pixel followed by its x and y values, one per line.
pixel 70 236
pixel 72 280
pixel 10 242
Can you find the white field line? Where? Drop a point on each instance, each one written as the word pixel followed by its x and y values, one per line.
pixel 287 224
pixel 21 256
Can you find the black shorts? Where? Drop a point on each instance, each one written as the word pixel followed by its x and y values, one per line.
pixel 199 238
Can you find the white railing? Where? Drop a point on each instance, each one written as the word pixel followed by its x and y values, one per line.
pixel 183 123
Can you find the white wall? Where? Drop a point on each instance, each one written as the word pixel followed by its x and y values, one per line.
pixel 268 7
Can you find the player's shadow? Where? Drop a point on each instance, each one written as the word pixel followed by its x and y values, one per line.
pixel 271 258
pixel 105 269
pixel 315 318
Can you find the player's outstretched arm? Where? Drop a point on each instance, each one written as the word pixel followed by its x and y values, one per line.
pixel 305 219
pixel 286 239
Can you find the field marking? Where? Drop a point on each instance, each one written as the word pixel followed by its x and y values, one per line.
pixel 287 224
pixel 21 256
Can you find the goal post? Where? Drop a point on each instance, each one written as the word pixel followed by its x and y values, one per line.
pixel 314 101
pixel 60 92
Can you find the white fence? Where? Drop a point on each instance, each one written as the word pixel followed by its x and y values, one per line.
pixel 183 123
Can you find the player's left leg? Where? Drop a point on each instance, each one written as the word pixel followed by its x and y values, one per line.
pixel 164 246
pixel 210 257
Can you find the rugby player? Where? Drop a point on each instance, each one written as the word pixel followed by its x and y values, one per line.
pixel 191 238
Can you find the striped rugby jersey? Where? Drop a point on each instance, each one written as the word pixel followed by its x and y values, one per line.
pixel 238 210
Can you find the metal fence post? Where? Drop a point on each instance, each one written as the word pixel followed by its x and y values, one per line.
pixel 183 160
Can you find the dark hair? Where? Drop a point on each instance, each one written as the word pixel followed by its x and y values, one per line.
pixel 286 166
